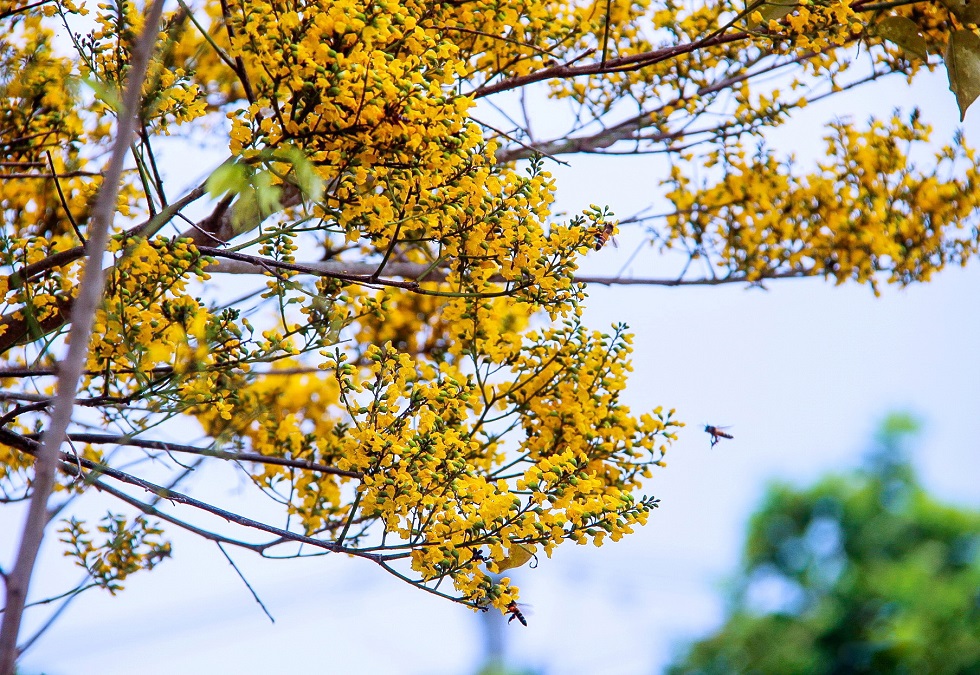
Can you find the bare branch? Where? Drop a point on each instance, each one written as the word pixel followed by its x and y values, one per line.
pixel 714 281
pixel 245 581
pixel 241 264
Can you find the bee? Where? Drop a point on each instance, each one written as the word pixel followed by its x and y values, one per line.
pixel 515 613
pixel 604 235
pixel 393 113
pixel 717 433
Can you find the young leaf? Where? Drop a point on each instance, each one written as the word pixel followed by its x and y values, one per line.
pixel 771 11
pixel 266 194
pixel 963 66
pixel 105 92
pixel 308 181
pixel 229 177
pixel 245 214
pixel 256 201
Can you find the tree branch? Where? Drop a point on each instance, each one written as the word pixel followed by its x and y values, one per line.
pixel 25 8
pixel 624 63
pixel 17 329
pixel 73 463
pixel 414 270
pixel 210 452
pixel 83 316
pixel 257 264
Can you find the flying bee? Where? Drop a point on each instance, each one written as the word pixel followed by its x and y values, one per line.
pixel 717 433
pixel 604 235
pixel 515 613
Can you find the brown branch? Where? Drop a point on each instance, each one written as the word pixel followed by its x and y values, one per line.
pixel 627 129
pixel 160 370
pixel 43 371
pixel 151 510
pixel 413 270
pixel 624 63
pixel 639 61
pixel 25 8
pixel 18 329
pixel 83 316
pixel 259 264
pixel 209 452
pixel 327 268
pixel 45 176
pixel 147 228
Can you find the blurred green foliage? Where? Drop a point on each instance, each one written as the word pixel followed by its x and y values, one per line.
pixel 863 573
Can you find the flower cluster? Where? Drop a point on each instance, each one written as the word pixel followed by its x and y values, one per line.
pixel 867 209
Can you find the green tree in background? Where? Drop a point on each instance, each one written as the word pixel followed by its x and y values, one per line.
pixel 863 573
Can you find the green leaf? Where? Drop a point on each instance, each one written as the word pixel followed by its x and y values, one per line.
pixel 304 173
pixel 900 424
pixel 905 33
pixel 245 214
pixel 335 327
pixel 229 177
pixel 105 93
pixel 963 66
pixel 34 329
pixel 770 11
pixel 266 194
pixel 256 201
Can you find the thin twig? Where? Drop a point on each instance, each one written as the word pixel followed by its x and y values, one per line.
pixel 621 64
pixel 605 34
pixel 25 8
pixel 72 595
pixel 64 202
pixel 519 142
pixel 261 263
pixel 245 581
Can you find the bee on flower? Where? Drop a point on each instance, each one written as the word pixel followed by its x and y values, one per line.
pixel 604 235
